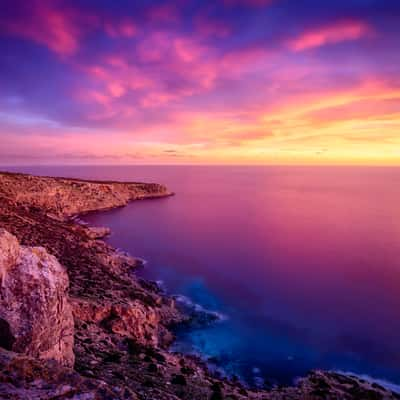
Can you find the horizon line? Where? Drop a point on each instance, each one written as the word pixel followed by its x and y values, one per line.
pixel 204 165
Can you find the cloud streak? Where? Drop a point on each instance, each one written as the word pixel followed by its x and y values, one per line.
pixel 341 31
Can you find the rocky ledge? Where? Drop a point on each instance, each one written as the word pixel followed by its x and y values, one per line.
pixel 75 322
pixel 63 197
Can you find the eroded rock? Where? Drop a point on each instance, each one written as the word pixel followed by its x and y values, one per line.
pixel 97 232
pixel 62 197
pixel 35 315
pixel 25 378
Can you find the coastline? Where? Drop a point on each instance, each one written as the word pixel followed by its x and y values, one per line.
pixel 122 322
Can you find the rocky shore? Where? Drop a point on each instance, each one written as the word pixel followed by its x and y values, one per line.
pixel 75 322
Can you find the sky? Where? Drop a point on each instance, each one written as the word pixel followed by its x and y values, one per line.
pixel 200 82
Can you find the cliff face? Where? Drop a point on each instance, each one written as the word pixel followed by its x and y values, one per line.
pixel 63 198
pixel 120 322
pixel 35 314
pixel 103 289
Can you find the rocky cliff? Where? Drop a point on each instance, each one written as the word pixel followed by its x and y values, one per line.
pixel 121 324
pixel 62 197
pixel 35 314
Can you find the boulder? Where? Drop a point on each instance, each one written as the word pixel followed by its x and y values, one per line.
pixel 97 232
pixel 35 315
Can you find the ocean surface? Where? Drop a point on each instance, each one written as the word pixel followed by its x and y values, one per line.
pixel 302 264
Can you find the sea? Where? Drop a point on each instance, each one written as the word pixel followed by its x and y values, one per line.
pixel 290 268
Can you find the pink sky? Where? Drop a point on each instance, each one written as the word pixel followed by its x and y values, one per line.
pixel 260 82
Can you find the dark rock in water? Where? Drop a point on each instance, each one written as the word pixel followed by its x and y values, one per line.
pixel 197 316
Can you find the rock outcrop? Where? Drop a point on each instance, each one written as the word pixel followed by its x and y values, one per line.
pixel 62 197
pixel 26 378
pixel 35 314
pixel 97 232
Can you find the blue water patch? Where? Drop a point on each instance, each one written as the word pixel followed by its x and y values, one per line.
pixel 218 340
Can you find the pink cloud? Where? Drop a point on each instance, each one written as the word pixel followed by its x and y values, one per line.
pixel 188 50
pixel 97 72
pixel 59 30
pixel 338 32
pixel 125 28
pixel 90 96
pixel 154 47
pixel 116 89
pixel 179 56
pixel 364 109
pixel 118 75
pixel 238 62
pixel 155 99
pixel 62 29
pixel 168 48
pixel 117 61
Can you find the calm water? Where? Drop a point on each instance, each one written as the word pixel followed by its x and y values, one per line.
pixel 304 262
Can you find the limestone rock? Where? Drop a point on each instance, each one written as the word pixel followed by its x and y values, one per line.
pixel 35 315
pixel 97 232
pixel 23 377
pixel 62 198
pixel 134 319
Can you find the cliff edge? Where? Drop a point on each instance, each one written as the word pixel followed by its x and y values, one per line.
pixel 64 197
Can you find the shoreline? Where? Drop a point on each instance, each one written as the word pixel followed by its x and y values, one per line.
pixel 122 322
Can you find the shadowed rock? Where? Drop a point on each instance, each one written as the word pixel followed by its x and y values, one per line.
pixel 36 318
pixel 6 337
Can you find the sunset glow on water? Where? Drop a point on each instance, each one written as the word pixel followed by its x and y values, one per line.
pixel 303 262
